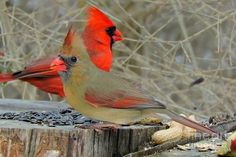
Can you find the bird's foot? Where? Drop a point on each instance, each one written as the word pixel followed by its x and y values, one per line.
pixel 150 121
pixel 99 126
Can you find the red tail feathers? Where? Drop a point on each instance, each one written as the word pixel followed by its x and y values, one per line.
pixel 6 78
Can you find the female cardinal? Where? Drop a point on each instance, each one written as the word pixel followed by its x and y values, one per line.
pixel 108 96
pixel 98 36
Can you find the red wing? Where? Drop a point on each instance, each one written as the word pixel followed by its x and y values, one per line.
pixel 113 90
pixel 42 63
pixel 42 74
pixel 117 100
pixel 42 68
pixel 5 78
pixel 48 84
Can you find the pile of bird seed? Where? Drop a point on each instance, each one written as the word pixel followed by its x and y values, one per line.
pixel 51 118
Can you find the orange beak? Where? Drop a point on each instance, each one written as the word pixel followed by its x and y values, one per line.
pixel 117 36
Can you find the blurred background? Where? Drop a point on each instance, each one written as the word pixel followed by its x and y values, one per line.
pixel 167 45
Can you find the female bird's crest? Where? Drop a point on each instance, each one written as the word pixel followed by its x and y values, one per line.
pixel 72 44
pixel 70 37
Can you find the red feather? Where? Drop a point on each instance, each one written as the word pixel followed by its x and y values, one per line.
pixel 115 100
pixel 6 77
pixel 48 84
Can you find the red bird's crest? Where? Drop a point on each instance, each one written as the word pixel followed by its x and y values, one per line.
pixel 98 18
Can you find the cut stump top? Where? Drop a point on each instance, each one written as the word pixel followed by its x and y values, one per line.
pixel 18 138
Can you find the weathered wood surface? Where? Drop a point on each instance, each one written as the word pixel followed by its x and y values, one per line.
pixel 23 139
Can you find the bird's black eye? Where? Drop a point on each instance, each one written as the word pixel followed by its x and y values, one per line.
pixel 111 30
pixel 73 59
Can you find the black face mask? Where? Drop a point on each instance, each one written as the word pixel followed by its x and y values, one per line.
pixel 111 31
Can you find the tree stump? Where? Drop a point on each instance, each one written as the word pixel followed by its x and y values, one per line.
pixel 23 139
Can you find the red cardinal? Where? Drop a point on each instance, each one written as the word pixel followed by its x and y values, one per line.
pixel 104 34
pixel 98 36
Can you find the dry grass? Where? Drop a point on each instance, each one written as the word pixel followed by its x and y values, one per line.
pixel 168 44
